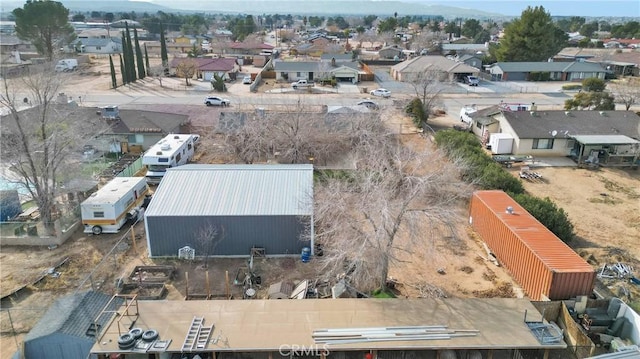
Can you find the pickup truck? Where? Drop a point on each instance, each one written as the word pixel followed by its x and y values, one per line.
pixel 302 83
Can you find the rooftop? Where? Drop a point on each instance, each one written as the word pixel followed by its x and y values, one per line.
pixel 234 190
pixel 114 190
pixel 242 324
pixel 433 62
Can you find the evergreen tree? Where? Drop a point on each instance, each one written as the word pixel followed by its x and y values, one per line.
pixel 139 58
pixel 532 37
pixel 123 72
pixel 146 59
pixel 130 59
pixel 114 82
pixel 123 62
pixel 163 49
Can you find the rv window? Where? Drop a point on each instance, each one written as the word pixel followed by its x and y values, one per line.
pixel 98 214
pixel 129 201
pixel 178 157
pixel 189 146
pixel 163 159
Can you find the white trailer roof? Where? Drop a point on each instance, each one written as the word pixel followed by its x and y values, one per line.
pixel 234 190
pixel 114 190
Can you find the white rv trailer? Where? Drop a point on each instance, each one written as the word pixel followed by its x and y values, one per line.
pixel 171 151
pixel 107 210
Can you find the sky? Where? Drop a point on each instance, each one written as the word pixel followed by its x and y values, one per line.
pixel 555 8
pixel 618 8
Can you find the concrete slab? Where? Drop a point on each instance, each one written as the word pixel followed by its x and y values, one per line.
pixel 551 162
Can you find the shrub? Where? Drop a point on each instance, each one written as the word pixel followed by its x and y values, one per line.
pixel 415 109
pixel 495 177
pixel 218 83
pixel 571 87
pixel 539 76
pixel 545 211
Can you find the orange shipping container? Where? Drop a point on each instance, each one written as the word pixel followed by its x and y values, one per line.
pixel 539 261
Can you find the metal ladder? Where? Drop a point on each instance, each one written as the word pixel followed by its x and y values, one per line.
pixel 203 337
pixel 192 334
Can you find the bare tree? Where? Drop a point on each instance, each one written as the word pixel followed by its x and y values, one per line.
pixel 208 238
pixel 396 197
pixel 43 142
pixel 298 135
pixel 158 71
pixel 187 68
pixel 626 92
pixel 427 87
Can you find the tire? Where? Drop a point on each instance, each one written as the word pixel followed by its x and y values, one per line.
pixel 136 333
pixel 97 230
pixel 126 340
pixel 208 103
pixel 150 335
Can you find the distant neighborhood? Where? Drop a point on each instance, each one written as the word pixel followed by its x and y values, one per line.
pixel 195 185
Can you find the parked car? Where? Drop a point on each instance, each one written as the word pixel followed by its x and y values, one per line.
pixel 381 92
pixel 471 80
pixel 246 80
pixel 371 105
pixel 216 101
pixel 302 84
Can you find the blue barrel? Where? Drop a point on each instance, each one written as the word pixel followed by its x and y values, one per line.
pixel 305 256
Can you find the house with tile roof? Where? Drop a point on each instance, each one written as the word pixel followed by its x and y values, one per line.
pixel 207 67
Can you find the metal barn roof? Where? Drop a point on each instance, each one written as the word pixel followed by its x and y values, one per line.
pixel 605 140
pixel 540 240
pixel 234 190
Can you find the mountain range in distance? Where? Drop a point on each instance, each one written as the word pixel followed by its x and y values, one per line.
pixel 494 9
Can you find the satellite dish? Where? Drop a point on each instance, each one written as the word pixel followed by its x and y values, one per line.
pixel 554 133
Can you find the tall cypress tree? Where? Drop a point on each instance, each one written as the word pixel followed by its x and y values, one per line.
pixel 146 59
pixel 114 82
pixel 123 72
pixel 130 59
pixel 123 61
pixel 139 58
pixel 163 49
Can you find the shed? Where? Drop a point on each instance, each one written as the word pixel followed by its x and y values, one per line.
pixel 67 329
pixel 539 261
pixel 267 206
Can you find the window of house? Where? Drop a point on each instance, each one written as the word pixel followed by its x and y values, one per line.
pixel 298 74
pixel 98 214
pixel 542 143
pixel 98 47
pixel 478 125
pixel 131 138
pixel 571 143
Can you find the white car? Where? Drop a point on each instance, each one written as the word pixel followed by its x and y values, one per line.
pixel 381 92
pixel 216 101
pixel 371 105
pixel 246 80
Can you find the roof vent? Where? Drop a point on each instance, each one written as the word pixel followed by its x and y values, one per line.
pixel 509 210
pixel 165 147
pixel 159 153
pixel 176 137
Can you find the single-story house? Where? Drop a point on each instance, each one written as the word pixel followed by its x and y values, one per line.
pixel 247 206
pixel 471 60
pixel 464 48
pixel 622 62
pixel 137 131
pixel 316 70
pixel 242 48
pixel 71 326
pixel 337 57
pixel 611 136
pixel 390 52
pixel 9 44
pixel 227 68
pixel 557 71
pixel 448 70
pixel 95 45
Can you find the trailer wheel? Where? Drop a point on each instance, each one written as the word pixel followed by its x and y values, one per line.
pixel 136 333
pixel 150 335
pixel 126 341
pixel 96 230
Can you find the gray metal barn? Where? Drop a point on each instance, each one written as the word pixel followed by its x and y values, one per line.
pixel 266 206
pixel 67 330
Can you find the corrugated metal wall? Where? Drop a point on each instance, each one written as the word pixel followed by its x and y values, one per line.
pixel 536 258
pixel 277 234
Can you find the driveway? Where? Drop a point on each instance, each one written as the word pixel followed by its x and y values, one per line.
pixel 384 80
